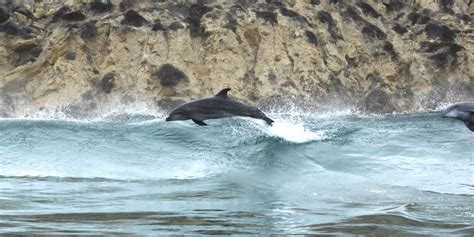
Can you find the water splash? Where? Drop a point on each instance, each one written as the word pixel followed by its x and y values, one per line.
pixel 294 132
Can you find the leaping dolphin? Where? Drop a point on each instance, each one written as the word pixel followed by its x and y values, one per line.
pixel 461 111
pixel 218 106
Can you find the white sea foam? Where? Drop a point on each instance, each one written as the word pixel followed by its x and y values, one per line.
pixel 294 132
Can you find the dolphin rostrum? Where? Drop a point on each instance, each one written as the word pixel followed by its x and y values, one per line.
pixel 218 106
pixel 461 111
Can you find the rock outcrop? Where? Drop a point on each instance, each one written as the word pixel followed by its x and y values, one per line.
pixel 81 58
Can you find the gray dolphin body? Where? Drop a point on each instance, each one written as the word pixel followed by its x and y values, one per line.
pixel 218 106
pixel 461 111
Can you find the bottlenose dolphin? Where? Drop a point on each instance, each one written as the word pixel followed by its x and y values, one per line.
pixel 461 111
pixel 218 106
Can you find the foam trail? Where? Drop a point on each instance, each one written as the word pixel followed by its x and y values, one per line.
pixel 292 132
pixel 290 129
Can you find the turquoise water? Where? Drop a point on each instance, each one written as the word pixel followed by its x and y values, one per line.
pixel 308 174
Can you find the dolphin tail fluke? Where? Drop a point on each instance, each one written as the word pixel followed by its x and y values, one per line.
pixel 268 121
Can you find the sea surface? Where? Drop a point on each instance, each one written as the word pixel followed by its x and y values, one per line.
pixel 406 174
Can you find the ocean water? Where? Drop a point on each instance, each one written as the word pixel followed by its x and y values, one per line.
pixel 410 174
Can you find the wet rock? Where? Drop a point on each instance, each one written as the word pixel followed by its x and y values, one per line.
pixel 132 18
pixel 169 75
pixel 107 82
pixel 373 32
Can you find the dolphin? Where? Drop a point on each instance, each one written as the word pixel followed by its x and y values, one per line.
pixel 218 106
pixel 461 111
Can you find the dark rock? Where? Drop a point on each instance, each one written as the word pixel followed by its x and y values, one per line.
pixel 89 30
pixel 326 18
pixel 466 18
pixel 354 15
pixel 267 16
pixel 169 75
pixel 272 77
pixel 373 32
pixel 231 23
pixel 440 31
pixel 4 14
pixel 388 47
pixel 194 25
pixel 292 14
pixel 15 29
pixel 24 11
pixel 88 95
pixel 157 26
pixel 430 47
pixel 169 104
pixel 70 55
pixel 73 16
pixel 132 18
pixel 100 7
pixel 394 5
pixel 367 9
pixel 413 17
pixel 60 13
pixel 331 24
pixel 174 26
pixel 446 5
pixel 312 38
pixel 399 29
pixel 198 10
pixel 447 56
pixel 416 18
pixel 126 5
pixel 107 82
pixel 378 101
pixel 315 2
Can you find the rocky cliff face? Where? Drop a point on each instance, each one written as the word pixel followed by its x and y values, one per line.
pixel 83 58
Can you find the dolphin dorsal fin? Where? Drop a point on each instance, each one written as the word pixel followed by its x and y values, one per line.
pixel 223 93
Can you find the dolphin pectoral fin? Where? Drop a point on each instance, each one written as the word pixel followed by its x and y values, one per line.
pixel 200 123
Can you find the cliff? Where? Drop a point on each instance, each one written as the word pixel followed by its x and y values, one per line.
pixel 81 58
